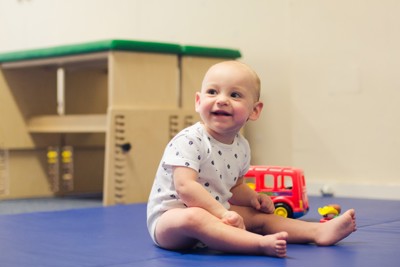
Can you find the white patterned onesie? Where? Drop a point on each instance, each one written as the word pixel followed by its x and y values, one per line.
pixel 218 165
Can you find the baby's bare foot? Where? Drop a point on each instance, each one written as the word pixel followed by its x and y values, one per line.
pixel 331 232
pixel 274 245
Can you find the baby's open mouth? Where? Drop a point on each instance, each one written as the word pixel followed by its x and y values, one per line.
pixel 220 113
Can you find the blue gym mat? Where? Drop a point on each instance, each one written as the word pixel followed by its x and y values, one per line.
pixel 117 237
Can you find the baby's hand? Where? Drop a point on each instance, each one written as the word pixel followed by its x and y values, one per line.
pixel 234 219
pixel 263 203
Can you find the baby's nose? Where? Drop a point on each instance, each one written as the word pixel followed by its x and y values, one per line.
pixel 222 100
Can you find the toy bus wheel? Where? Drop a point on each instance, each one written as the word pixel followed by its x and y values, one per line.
pixel 283 210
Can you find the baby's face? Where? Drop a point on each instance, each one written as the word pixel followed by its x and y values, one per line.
pixel 228 98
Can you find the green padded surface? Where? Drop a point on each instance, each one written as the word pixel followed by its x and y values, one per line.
pixel 121 45
pixel 202 51
pixel 91 47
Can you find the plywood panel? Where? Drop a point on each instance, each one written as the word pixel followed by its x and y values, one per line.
pixel 143 80
pixel 130 174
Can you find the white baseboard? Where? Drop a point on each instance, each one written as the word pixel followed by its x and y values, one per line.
pixel 375 191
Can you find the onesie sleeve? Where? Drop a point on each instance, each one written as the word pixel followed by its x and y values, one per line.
pixel 183 150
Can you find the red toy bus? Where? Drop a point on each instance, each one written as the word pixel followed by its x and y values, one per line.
pixel 285 185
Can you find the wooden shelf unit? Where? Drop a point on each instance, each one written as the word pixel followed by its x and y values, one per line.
pixel 115 94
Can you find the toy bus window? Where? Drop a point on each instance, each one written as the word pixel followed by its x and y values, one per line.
pixel 284 182
pixel 268 181
pixel 287 182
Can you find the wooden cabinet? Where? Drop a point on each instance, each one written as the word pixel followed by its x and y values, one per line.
pixel 113 104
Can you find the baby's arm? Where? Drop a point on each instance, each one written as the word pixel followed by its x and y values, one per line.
pixel 243 195
pixel 194 194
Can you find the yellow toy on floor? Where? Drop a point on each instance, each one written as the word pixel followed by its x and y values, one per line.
pixel 329 212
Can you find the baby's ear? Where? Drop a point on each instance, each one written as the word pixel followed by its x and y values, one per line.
pixel 257 108
pixel 197 101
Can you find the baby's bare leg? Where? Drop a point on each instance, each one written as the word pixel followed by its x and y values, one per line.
pixel 182 228
pixel 323 234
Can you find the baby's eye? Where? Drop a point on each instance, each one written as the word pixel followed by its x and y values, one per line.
pixel 211 91
pixel 235 95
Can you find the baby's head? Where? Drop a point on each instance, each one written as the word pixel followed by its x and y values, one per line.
pixel 236 69
pixel 229 97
